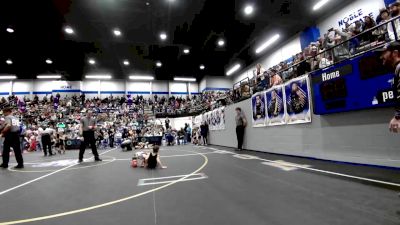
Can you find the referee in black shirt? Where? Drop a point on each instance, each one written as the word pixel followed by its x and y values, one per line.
pixel 10 133
pixel 87 128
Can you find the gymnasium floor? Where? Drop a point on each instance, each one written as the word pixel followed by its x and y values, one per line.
pixel 202 185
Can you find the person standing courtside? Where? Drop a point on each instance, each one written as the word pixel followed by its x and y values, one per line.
pixel 10 133
pixel 241 123
pixel 46 140
pixel 87 128
pixel 390 54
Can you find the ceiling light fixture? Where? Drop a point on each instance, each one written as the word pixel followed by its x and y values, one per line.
pixel 267 43
pixel 202 67
pixel 163 36
pixel 158 64
pixel 49 61
pixel 135 77
pixel 69 30
pixel 184 79
pixel 319 4
pixel 92 61
pixel 10 30
pixel 248 10
pixel 126 62
pixel 233 69
pixel 55 76
pixel 98 76
pixel 9 61
pixel 186 51
pixel 8 77
pixel 117 32
pixel 221 42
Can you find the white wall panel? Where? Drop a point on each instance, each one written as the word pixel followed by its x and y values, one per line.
pixel 133 86
pixel 217 83
pixel 285 52
pixel 179 123
pixel 160 88
pixel 246 74
pixel 193 88
pixel 350 13
pixel 178 88
pixel 42 88
pixel 115 88
pixel 66 88
pixel 357 137
pixel 5 88
pixel 22 88
pixel 203 84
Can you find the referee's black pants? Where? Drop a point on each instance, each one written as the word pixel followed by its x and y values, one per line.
pixel 240 135
pixel 46 142
pixel 11 140
pixel 88 139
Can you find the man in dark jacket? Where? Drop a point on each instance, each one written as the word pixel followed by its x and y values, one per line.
pixel 390 54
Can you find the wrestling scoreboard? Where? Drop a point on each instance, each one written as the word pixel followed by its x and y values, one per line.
pixel 355 84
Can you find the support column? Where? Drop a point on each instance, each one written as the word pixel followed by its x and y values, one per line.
pixel 11 87
pixel 31 90
pixel 126 87
pixel 99 90
pixel 188 89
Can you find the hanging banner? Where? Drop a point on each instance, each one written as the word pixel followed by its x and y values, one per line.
pixel 298 104
pixel 214 120
pixel 207 119
pixel 222 116
pixel 258 109
pixel 275 107
pixel 217 119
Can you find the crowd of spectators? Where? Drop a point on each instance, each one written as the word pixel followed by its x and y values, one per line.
pixel 122 118
pixel 118 119
pixel 332 47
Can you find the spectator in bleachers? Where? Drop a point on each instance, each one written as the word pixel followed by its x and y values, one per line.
pixel 260 82
pixel 304 66
pixel 369 23
pixel 383 30
pixel 340 52
pixel 394 9
pixel 275 79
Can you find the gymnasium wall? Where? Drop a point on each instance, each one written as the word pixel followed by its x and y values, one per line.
pixel 210 83
pixel 135 88
pixel 193 88
pixel 357 137
pixel 354 11
pixel 178 89
pixel 97 88
pixel 115 88
pixel 290 48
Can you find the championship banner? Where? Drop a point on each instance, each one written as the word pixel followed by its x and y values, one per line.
pixel 217 121
pixel 275 107
pixel 298 104
pixel 258 109
pixel 222 116
pixel 207 119
pixel 214 120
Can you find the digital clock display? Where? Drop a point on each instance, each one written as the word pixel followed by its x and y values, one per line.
pixel 333 89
